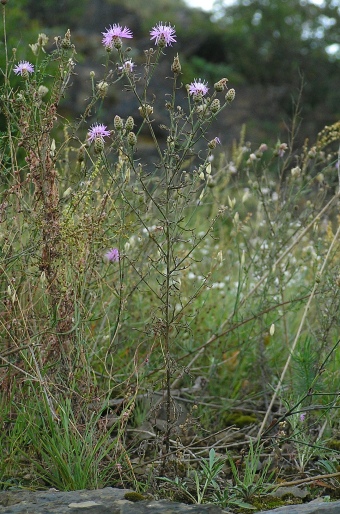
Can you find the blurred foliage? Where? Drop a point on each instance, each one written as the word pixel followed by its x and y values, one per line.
pixel 281 41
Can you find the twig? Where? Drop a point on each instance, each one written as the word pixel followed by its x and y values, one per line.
pixel 305 480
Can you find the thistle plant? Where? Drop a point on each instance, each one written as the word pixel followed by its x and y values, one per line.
pixel 123 276
pixel 53 279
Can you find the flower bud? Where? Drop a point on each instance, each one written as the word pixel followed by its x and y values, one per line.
pixel 98 145
pixel 118 123
pixel 132 139
pixel 176 66
pixel 215 106
pixel 129 124
pixel 220 85
pixel 230 95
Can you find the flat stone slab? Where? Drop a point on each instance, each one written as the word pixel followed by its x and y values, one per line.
pixel 112 501
pixel 101 501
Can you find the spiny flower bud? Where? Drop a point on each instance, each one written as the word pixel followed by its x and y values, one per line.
pixel 197 97
pixel 215 105
pixel 102 88
pixel 132 139
pixel 66 42
pixel 176 66
pixel 220 85
pixel 98 145
pixel 145 110
pixel 230 95
pixel 118 123
pixel 129 124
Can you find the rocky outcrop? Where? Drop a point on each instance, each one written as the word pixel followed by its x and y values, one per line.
pixel 114 501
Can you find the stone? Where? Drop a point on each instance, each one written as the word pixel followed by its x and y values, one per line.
pixel 111 501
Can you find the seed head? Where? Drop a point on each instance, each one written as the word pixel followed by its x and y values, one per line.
pixel 221 85
pixel 145 110
pixel 176 66
pixel 66 41
pixel 102 88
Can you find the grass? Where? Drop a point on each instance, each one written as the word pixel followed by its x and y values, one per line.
pixel 202 362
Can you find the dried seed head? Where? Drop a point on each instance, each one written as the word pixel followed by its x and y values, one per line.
pixel 230 95
pixel 176 67
pixel 220 85
pixel 102 88
pixel 66 42
pixel 145 110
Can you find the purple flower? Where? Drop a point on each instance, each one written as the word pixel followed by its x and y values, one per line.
pixel 112 255
pixel 217 140
pixel 23 67
pixel 97 131
pixel 281 149
pixel 198 87
pixel 302 417
pixel 127 67
pixel 164 35
pixel 115 31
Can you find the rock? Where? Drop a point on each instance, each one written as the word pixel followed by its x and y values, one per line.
pixel 112 501
pixel 102 501
pixel 314 507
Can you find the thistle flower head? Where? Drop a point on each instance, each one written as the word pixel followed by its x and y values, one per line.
pixel 23 68
pixel 164 35
pixel 127 67
pixel 113 32
pixel 112 255
pixel 97 131
pixel 212 144
pixel 198 87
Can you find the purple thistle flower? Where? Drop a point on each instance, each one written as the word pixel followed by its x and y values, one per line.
pixel 164 35
pixel 198 87
pixel 115 31
pixel 97 131
pixel 112 255
pixel 217 140
pixel 127 67
pixel 23 67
